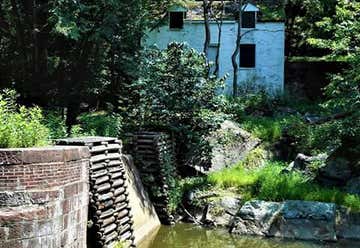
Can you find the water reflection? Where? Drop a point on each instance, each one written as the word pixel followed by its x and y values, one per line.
pixel 190 236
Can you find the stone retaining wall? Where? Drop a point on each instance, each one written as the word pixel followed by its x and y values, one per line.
pixel 43 197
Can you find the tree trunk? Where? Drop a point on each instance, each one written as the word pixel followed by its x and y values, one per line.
pixel 236 51
pixel 219 24
pixel 206 8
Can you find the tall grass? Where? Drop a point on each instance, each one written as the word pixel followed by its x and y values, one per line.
pixel 269 183
pixel 265 128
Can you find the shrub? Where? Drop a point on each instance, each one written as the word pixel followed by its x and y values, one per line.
pixel 182 186
pixel 311 139
pixel 89 124
pixel 176 94
pixel 20 126
pixel 56 124
pixel 98 124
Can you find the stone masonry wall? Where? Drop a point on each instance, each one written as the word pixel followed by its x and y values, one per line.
pixel 43 197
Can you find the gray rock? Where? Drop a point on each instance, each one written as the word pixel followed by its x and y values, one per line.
pixel 290 219
pixel 347 224
pixel 335 172
pixel 308 165
pixel 306 220
pixel 223 210
pixel 230 144
pixel 256 218
pixel 353 186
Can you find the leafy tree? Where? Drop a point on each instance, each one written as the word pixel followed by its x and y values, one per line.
pixel 177 95
pixel 64 53
pixel 301 18
pixel 344 90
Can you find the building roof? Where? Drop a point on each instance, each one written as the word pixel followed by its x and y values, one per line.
pixel 177 8
pixel 248 7
pixel 268 10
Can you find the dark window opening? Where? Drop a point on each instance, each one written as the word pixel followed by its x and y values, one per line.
pixel 248 19
pixel 177 20
pixel 247 56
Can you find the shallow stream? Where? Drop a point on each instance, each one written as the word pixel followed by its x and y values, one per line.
pixel 190 236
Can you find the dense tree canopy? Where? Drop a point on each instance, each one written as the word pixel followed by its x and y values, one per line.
pixel 62 53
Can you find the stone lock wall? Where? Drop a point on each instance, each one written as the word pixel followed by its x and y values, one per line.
pixel 109 217
pixel 43 197
pixel 153 154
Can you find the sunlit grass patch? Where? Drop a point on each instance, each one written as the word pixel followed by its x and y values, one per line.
pixel 271 184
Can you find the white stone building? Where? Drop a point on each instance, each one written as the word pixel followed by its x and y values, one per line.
pixel 261 53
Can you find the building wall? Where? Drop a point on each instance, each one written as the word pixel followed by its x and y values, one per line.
pixel 269 38
pixel 43 197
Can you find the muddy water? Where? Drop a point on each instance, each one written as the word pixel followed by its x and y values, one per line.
pixel 190 236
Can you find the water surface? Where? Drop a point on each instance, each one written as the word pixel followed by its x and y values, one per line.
pixel 190 236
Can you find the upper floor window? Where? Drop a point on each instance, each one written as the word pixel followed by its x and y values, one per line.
pixel 247 56
pixel 248 19
pixel 176 20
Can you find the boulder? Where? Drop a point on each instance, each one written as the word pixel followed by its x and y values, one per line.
pixel 336 172
pixel 290 219
pixel 306 220
pixel 222 211
pixel 230 144
pixel 347 224
pixel 307 164
pixel 256 218
pixel 353 186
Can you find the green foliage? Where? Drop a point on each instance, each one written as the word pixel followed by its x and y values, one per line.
pixel 274 12
pixel 268 129
pixel 176 94
pixel 20 126
pixel 99 124
pixel 312 139
pixel 56 125
pixel 344 25
pixel 182 186
pixel 89 124
pixel 301 18
pixel 344 90
pixel 236 176
pixel 271 184
pixel 69 53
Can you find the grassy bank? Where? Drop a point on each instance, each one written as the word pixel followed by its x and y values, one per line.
pixel 270 184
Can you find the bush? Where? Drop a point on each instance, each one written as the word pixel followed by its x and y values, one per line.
pixel 89 124
pixel 177 95
pixel 56 124
pixel 20 126
pixel 312 139
pixel 98 124
pixel 270 184
pixel 182 186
